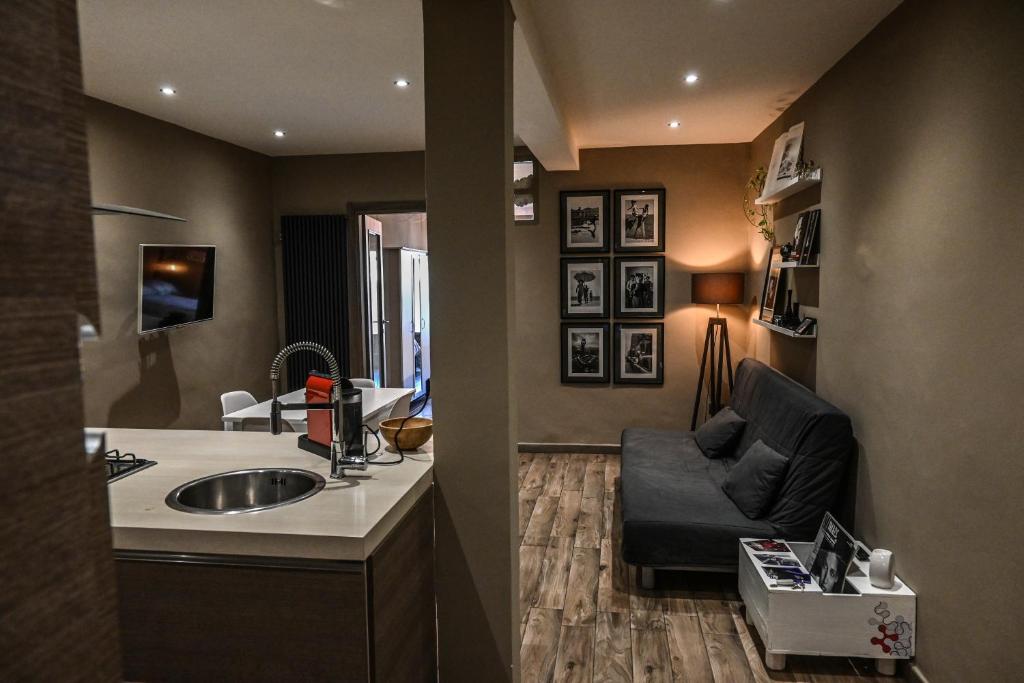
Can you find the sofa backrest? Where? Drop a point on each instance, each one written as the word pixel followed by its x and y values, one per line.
pixel 816 436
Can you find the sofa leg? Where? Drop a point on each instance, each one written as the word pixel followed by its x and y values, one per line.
pixel 775 661
pixel 645 576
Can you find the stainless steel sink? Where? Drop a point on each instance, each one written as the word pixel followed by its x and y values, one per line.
pixel 231 493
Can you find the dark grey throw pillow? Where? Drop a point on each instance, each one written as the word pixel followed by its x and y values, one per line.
pixel 754 481
pixel 718 436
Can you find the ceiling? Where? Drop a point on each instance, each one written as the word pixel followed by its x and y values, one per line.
pixel 618 66
pixel 324 70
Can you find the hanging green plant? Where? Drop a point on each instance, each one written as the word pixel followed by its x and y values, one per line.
pixel 757 214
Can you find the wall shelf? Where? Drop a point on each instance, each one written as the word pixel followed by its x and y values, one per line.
pixel 794 264
pixel 785 331
pixel 118 210
pixel 798 185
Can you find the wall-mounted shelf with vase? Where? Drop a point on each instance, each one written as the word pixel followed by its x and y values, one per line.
pixel 786 332
pixel 777 194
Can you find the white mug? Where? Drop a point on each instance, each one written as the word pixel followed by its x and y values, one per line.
pixel 882 568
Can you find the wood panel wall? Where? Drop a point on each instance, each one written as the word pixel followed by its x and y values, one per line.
pixel 57 601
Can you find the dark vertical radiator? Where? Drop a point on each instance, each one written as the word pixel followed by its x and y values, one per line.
pixel 313 257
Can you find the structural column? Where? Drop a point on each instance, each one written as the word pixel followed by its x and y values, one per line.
pixel 468 92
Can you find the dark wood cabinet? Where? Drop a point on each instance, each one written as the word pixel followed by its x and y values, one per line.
pixel 227 618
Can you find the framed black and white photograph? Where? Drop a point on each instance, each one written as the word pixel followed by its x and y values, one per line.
pixel 640 287
pixel 770 289
pixel 524 188
pixel 586 221
pixel 640 220
pixel 786 154
pixel 639 353
pixel 585 287
pixel 585 353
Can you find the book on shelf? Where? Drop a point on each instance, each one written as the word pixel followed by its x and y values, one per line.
pixel 807 250
pixel 794 574
pixel 799 235
pixel 775 560
pixel 831 555
pixel 767 545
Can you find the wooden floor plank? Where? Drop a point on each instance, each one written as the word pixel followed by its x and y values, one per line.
pixel 593 480
pixel 527 501
pixel 524 467
pixel 575 661
pixel 588 530
pixel 651 658
pixel 613 658
pixel 581 593
pixel 568 514
pixel 555 476
pixel 554 574
pixel 611 474
pixel 728 660
pixel 540 645
pixel 538 531
pixel 690 661
pixel 574 473
pixel 531 558
pixel 538 469
pixel 613 582
pixel 716 616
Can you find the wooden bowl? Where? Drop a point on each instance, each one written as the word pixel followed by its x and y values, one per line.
pixel 417 431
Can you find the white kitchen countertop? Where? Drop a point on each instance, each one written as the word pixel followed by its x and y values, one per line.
pixel 347 520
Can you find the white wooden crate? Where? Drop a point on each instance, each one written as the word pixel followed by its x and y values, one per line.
pixel 874 622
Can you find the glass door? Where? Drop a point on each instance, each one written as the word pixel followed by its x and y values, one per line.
pixel 375 331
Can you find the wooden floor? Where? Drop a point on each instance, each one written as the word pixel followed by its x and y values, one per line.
pixel 584 619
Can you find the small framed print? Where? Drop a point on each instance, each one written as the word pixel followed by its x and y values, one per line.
pixel 640 220
pixel 524 187
pixel 639 353
pixel 585 287
pixel 586 221
pixel 585 353
pixel 640 287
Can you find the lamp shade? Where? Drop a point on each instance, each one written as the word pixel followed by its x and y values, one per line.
pixel 717 288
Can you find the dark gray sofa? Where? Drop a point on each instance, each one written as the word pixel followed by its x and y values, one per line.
pixel 674 512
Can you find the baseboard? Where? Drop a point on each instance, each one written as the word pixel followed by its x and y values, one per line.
pixel 569 447
pixel 916 674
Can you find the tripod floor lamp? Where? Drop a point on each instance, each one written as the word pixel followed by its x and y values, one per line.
pixel 717 289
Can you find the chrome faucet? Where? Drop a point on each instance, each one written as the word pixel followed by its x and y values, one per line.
pixel 340 460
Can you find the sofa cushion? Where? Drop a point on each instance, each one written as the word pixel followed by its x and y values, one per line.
pixel 674 512
pixel 753 482
pixel 718 436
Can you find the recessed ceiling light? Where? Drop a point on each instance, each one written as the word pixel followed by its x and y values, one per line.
pixel 674 124
pixel 401 83
pixel 691 79
pixel 167 90
pixel 279 133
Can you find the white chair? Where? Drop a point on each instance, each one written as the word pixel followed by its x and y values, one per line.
pixel 235 400
pixel 362 383
pixel 401 407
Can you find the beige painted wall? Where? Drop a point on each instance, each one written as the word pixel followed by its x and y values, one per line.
pixel 705 231
pixel 175 378
pixel 918 134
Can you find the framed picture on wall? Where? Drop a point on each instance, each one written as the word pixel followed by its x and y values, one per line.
pixel 585 287
pixel 524 187
pixel 585 353
pixel 639 353
pixel 640 287
pixel 640 220
pixel 585 221
pixel 770 290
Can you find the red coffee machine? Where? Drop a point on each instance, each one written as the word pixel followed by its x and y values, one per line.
pixel 318 422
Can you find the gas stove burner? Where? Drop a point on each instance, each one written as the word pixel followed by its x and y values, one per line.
pixel 120 465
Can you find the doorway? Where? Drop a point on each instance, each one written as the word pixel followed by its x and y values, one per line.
pixel 396 296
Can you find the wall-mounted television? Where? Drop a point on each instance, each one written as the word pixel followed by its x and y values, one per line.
pixel 175 285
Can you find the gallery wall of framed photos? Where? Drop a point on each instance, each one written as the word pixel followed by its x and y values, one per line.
pixel 626 225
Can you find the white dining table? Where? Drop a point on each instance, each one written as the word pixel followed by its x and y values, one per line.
pixel 377 405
